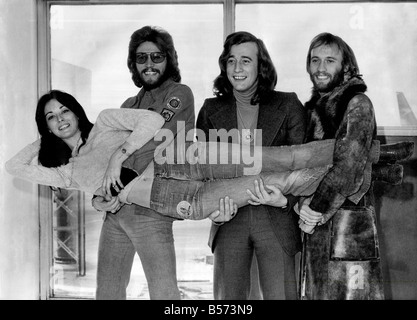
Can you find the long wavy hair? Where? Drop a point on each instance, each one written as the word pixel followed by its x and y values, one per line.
pixel 349 59
pixel 163 40
pixel 267 75
pixel 54 152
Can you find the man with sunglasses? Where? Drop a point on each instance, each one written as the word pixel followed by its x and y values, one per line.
pixel 152 61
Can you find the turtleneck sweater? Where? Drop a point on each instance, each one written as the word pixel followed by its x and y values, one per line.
pixel 247 113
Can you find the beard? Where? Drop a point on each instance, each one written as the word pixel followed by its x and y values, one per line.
pixel 334 82
pixel 149 85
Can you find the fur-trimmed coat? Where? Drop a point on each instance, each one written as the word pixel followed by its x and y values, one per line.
pixel 340 260
pixel 347 115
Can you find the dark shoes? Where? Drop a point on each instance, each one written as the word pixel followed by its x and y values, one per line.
pixel 392 174
pixel 390 153
pixel 387 170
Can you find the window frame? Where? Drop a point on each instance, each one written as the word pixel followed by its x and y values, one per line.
pixel 44 84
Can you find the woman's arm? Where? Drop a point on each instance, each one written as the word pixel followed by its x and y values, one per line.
pixel 24 165
pixel 143 124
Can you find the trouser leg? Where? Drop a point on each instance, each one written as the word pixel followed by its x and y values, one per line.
pixel 276 268
pixel 217 160
pixel 115 259
pixel 154 242
pixel 196 199
pixel 233 256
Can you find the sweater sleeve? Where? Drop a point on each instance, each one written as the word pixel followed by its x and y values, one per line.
pixel 24 165
pixel 143 124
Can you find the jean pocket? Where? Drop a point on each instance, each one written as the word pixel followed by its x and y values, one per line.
pixel 183 205
pixel 354 235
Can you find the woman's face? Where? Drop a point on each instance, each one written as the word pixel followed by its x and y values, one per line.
pixel 242 65
pixel 61 121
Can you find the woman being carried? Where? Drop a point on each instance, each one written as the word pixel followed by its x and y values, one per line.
pixel 75 154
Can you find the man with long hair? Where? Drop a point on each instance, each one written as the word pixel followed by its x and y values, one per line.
pixel 153 64
pixel 246 100
pixel 341 258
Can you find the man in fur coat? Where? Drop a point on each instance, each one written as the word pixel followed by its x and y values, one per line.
pixel 340 257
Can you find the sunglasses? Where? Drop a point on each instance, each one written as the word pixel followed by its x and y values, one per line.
pixel 156 57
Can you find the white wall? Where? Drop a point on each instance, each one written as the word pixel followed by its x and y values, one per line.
pixel 19 223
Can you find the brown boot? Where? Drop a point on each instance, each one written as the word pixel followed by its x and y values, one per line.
pixel 389 173
pixel 390 153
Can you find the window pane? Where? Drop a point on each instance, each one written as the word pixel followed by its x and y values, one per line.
pixel 89 52
pixel 382 35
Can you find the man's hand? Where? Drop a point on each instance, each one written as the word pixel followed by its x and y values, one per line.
pixel 108 203
pixel 305 227
pixel 227 211
pixel 308 217
pixel 273 198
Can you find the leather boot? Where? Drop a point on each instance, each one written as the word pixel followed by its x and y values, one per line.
pixel 392 174
pixel 400 151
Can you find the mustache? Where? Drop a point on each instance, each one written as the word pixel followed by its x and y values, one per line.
pixel 150 70
pixel 322 74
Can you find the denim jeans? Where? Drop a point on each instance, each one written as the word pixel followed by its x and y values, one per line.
pixel 195 200
pixel 123 235
pixel 219 160
pixel 192 191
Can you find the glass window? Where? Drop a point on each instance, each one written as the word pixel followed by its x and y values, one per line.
pixel 88 59
pixel 89 53
pixel 382 35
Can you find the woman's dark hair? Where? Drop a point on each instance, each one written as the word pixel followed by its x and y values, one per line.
pixel 349 58
pixel 54 152
pixel 164 42
pixel 267 75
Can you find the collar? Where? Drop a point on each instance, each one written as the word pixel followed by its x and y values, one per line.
pixel 353 84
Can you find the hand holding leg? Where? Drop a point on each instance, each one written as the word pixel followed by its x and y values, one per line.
pixel 226 212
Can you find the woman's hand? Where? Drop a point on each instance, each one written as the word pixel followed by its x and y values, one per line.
pixel 227 211
pixel 112 175
pixel 273 198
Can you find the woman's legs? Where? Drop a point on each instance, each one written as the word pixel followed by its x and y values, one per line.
pixel 218 160
pixel 187 196
pixel 196 200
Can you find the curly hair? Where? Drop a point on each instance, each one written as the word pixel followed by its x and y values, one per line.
pixel 163 40
pixel 267 75
pixel 349 59
pixel 53 151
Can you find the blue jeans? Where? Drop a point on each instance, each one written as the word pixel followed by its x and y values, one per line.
pixel 123 235
pixel 193 191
